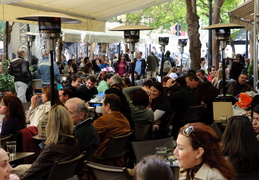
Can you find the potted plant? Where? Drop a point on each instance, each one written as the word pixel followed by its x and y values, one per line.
pixel 6 80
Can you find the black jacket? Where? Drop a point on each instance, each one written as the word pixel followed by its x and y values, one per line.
pixel 19 68
pixel 85 94
pixel 65 149
pixel 87 135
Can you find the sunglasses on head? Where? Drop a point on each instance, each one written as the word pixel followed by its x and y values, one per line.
pixel 188 130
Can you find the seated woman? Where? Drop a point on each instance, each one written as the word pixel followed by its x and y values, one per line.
pixel 74 83
pixel 40 113
pixel 240 145
pixel 255 123
pixel 152 167
pixel 161 107
pixel 14 115
pixel 198 153
pixel 5 167
pixel 60 144
pixel 87 66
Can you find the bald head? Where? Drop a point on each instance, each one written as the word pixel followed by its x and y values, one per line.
pixel 78 109
pixel 20 53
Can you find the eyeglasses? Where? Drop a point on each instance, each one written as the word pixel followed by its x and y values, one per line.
pixel 189 131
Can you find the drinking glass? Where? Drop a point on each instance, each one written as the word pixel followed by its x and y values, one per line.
pixel 161 152
pixel 11 147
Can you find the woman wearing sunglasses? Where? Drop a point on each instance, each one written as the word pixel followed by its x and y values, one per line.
pixel 198 153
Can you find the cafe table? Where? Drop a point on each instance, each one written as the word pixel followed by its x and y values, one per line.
pixel 19 156
pixel 39 138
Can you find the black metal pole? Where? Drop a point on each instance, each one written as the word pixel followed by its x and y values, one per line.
pixel 6 38
pixel 52 94
pixel 246 44
pixel 119 50
pixel 210 35
pixel 132 68
pixel 87 48
pixel 162 64
pixel 29 46
pixel 223 68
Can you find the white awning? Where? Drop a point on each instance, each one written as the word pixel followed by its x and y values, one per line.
pixel 92 13
pixel 90 36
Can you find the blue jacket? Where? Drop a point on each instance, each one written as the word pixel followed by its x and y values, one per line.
pixel 143 65
pixel 44 70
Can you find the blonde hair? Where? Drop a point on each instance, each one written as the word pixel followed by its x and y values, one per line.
pixel 59 123
pixel 217 78
pixel 172 70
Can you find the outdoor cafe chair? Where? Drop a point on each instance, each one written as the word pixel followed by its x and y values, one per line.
pixel 63 170
pixel 101 172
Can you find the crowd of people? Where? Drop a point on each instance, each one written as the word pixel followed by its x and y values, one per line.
pixel 70 129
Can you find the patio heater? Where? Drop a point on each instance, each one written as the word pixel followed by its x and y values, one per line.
pixel 30 39
pixel 50 29
pixel 223 35
pixel 131 36
pixel 163 41
pixel 182 43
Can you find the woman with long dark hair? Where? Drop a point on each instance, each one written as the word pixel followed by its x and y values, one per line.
pixel 14 115
pixel 121 66
pixel 240 145
pixel 161 107
pixel 199 154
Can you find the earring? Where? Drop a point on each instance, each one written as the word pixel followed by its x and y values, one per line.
pixel 196 157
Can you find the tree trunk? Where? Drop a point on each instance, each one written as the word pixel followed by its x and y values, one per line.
pixel 192 20
pixel 215 20
pixel 5 53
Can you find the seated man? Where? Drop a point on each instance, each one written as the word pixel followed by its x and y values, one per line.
pixel 202 75
pixel 211 73
pixel 88 90
pixel 85 132
pixel 236 87
pixel 113 122
pixel 65 94
pixel 205 93
pixel 117 81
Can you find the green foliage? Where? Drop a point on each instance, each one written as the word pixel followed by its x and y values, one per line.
pixel 251 68
pixel 162 17
pixel 6 80
pixel 203 10
pixel 2 28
